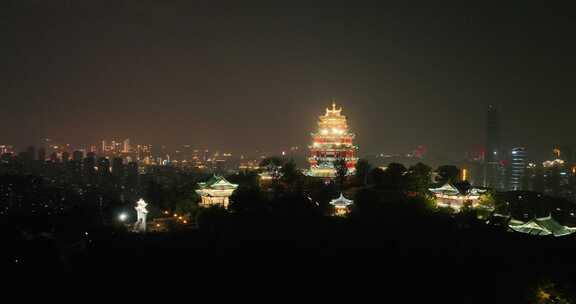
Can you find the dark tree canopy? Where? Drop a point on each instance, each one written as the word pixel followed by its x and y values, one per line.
pixel 248 199
pixel 448 174
pixel 418 178
pixel 291 176
pixel 391 178
pixel 246 178
pixel 363 168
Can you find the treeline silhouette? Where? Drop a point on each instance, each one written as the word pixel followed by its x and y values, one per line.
pixel 393 241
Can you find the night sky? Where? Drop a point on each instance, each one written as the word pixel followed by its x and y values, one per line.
pixel 257 78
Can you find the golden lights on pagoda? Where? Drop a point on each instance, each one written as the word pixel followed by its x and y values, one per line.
pixel 331 142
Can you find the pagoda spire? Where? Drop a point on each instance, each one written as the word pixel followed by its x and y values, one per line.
pixel 334 110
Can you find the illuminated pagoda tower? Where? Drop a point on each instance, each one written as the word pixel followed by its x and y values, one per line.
pixel 215 191
pixel 331 142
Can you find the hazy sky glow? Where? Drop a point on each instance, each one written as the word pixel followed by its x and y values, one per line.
pixel 247 78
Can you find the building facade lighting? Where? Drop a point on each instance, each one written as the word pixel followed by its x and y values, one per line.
pixel 332 141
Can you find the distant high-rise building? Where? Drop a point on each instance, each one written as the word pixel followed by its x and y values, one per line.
pixel 77 155
pixel 89 167
pixel 517 169
pixel 118 166
pixel 65 156
pixel 126 146
pixel 31 153
pixel 116 146
pixel 6 149
pixel 47 143
pixel 42 154
pixel 493 169
pixel 144 152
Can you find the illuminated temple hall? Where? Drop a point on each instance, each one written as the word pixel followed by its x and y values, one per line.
pixel 331 142
pixel 216 191
pixel 450 196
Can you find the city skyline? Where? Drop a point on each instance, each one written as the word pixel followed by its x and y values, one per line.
pixel 233 78
pixel 494 147
pixel 414 151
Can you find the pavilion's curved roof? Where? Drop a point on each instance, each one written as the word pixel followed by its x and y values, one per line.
pixel 446 189
pixel 341 201
pixel 541 226
pixel 449 189
pixel 217 182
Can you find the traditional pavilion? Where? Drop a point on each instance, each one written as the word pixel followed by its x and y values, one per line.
pixel 341 205
pixel 541 226
pixel 216 191
pixel 331 142
pixel 450 196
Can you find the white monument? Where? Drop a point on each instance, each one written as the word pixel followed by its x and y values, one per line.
pixel 140 225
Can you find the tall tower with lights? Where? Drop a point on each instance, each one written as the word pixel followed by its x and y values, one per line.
pixel 493 167
pixel 332 141
pixel 517 169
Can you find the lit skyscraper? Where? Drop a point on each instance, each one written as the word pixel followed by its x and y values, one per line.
pixel 6 149
pixel 493 169
pixel 517 168
pixel 126 148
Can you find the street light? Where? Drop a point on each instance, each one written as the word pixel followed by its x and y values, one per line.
pixel 122 217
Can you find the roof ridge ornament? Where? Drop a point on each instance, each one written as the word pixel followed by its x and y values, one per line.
pixel 334 109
